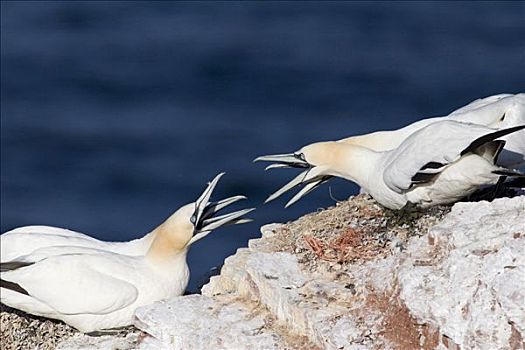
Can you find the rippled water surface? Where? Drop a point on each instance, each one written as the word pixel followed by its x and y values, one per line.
pixel 115 114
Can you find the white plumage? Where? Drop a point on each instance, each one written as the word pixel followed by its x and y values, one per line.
pixel 25 240
pixel 437 164
pixel 94 285
pixel 498 111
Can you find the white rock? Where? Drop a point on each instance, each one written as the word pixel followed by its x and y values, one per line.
pixel 199 322
pixel 462 283
pixel 473 288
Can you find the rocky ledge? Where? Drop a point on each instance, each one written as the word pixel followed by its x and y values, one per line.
pixel 357 276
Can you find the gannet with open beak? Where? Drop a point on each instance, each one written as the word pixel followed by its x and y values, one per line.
pixel 95 287
pixel 438 164
pixel 498 111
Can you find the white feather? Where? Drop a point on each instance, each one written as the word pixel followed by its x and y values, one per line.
pixel 24 240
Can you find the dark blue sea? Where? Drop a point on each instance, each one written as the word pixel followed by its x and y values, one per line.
pixel 114 114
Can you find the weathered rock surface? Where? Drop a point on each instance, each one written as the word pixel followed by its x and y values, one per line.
pixel 220 323
pixel 460 285
pixel 467 277
pixel 356 277
pixel 106 342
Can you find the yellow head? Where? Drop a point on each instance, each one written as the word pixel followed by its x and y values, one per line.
pixel 321 161
pixel 192 222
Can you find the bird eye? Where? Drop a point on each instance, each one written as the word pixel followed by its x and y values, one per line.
pixel 193 219
pixel 502 117
pixel 300 156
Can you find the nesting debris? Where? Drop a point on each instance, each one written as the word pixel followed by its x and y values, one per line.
pixel 20 331
pixel 352 232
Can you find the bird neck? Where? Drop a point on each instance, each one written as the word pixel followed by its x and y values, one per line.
pixel 378 141
pixel 166 244
pixel 389 139
pixel 355 163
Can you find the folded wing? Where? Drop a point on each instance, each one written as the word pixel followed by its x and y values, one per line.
pixel 427 152
pixel 25 240
pixel 73 283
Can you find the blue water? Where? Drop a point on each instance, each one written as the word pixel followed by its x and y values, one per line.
pixel 115 114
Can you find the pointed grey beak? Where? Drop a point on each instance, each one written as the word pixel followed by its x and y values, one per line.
pixel 233 218
pixel 307 188
pixel 204 198
pixel 311 178
pixel 204 219
pixel 310 183
pixel 289 160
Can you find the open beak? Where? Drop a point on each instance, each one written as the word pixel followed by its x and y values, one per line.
pixel 204 218
pixel 311 178
pixel 289 160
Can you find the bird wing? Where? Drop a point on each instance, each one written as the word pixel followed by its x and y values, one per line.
pixel 47 230
pixel 497 111
pixel 46 252
pixel 480 102
pixel 427 152
pixel 76 283
pixel 24 240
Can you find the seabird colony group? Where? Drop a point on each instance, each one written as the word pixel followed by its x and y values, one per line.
pixel 97 286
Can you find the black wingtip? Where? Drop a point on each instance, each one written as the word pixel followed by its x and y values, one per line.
pixel 499 145
pixel 423 177
pixel 508 172
pixel 13 265
pixel 432 165
pixel 12 286
pixel 489 137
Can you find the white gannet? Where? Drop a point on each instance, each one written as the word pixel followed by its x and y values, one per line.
pixel 98 286
pixel 25 240
pixel 438 164
pixel 498 111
